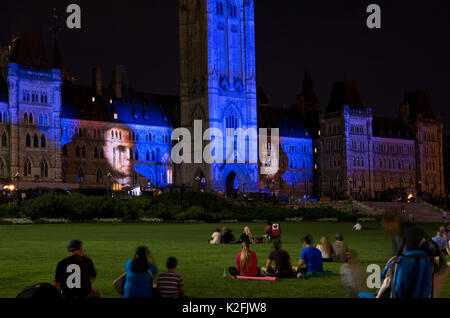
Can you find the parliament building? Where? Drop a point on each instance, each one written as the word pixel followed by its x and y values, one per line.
pixel 58 134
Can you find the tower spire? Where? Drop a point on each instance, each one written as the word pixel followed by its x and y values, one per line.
pixel 56 56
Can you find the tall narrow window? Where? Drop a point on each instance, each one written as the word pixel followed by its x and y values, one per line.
pixel 2 168
pixel 44 169
pixel 80 176
pixel 27 168
pixel 30 118
pixel 95 152
pixel 99 176
pixel 28 141
pixel 43 142
pixel 4 140
pixel 35 141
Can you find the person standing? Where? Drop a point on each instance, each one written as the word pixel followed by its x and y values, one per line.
pixel 74 274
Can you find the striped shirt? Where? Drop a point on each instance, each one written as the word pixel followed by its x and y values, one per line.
pixel 169 285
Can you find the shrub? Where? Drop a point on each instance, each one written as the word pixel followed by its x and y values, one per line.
pixel 193 213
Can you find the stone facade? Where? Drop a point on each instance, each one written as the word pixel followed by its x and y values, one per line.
pixel 363 155
pixel 31 123
pixel 57 134
pixel 218 87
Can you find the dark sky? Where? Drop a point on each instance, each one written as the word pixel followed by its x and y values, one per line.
pixel 327 37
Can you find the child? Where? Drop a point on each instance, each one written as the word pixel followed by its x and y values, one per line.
pixel 170 284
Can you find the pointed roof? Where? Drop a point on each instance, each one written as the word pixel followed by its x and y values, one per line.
pixel 344 93
pixel 28 49
pixel 56 59
pixel 308 90
pixel 419 104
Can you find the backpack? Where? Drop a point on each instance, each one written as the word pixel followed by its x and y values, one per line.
pixel 408 275
pixel 276 231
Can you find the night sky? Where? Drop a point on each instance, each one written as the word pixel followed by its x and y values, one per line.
pixel 326 37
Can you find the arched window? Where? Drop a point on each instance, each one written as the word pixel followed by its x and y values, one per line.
pixel 35 141
pixel 41 119
pixel 25 118
pixel 44 169
pixel 99 176
pixel 77 152
pixel 158 156
pixel 45 119
pixel 2 168
pixel 83 152
pixel 136 155
pixel 96 152
pixel 147 156
pixel 80 176
pixel 4 140
pixel 43 142
pixel 153 156
pixel 30 118
pixel 27 168
pixel 102 155
pixel 28 141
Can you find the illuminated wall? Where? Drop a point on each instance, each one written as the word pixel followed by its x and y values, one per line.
pixel 102 154
pixel 218 86
pixel 34 120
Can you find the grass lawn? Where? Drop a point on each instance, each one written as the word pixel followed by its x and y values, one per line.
pixel 29 254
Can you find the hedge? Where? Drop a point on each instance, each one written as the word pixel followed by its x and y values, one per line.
pixel 173 206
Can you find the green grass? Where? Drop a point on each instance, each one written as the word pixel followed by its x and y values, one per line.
pixel 29 254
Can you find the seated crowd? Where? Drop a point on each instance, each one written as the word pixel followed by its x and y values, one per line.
pixel 279 263
pixel 75 274
pixel 141 279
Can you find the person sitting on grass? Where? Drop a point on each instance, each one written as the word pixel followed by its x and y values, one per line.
pixel 279 264
pixel 310 259
pixel 325 248
pixel 444 232
pixel 340 249
pixel 74 274
pixel 246 263
pixel 226 236
pixel 215 237
pixel 140 274
pixel 170 284
pixel 272 231
pixel 441 242
pixel 247 236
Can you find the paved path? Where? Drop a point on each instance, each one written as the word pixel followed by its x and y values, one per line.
pixel 423 212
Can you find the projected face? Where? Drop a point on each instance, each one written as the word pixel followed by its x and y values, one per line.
pixel 119 151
